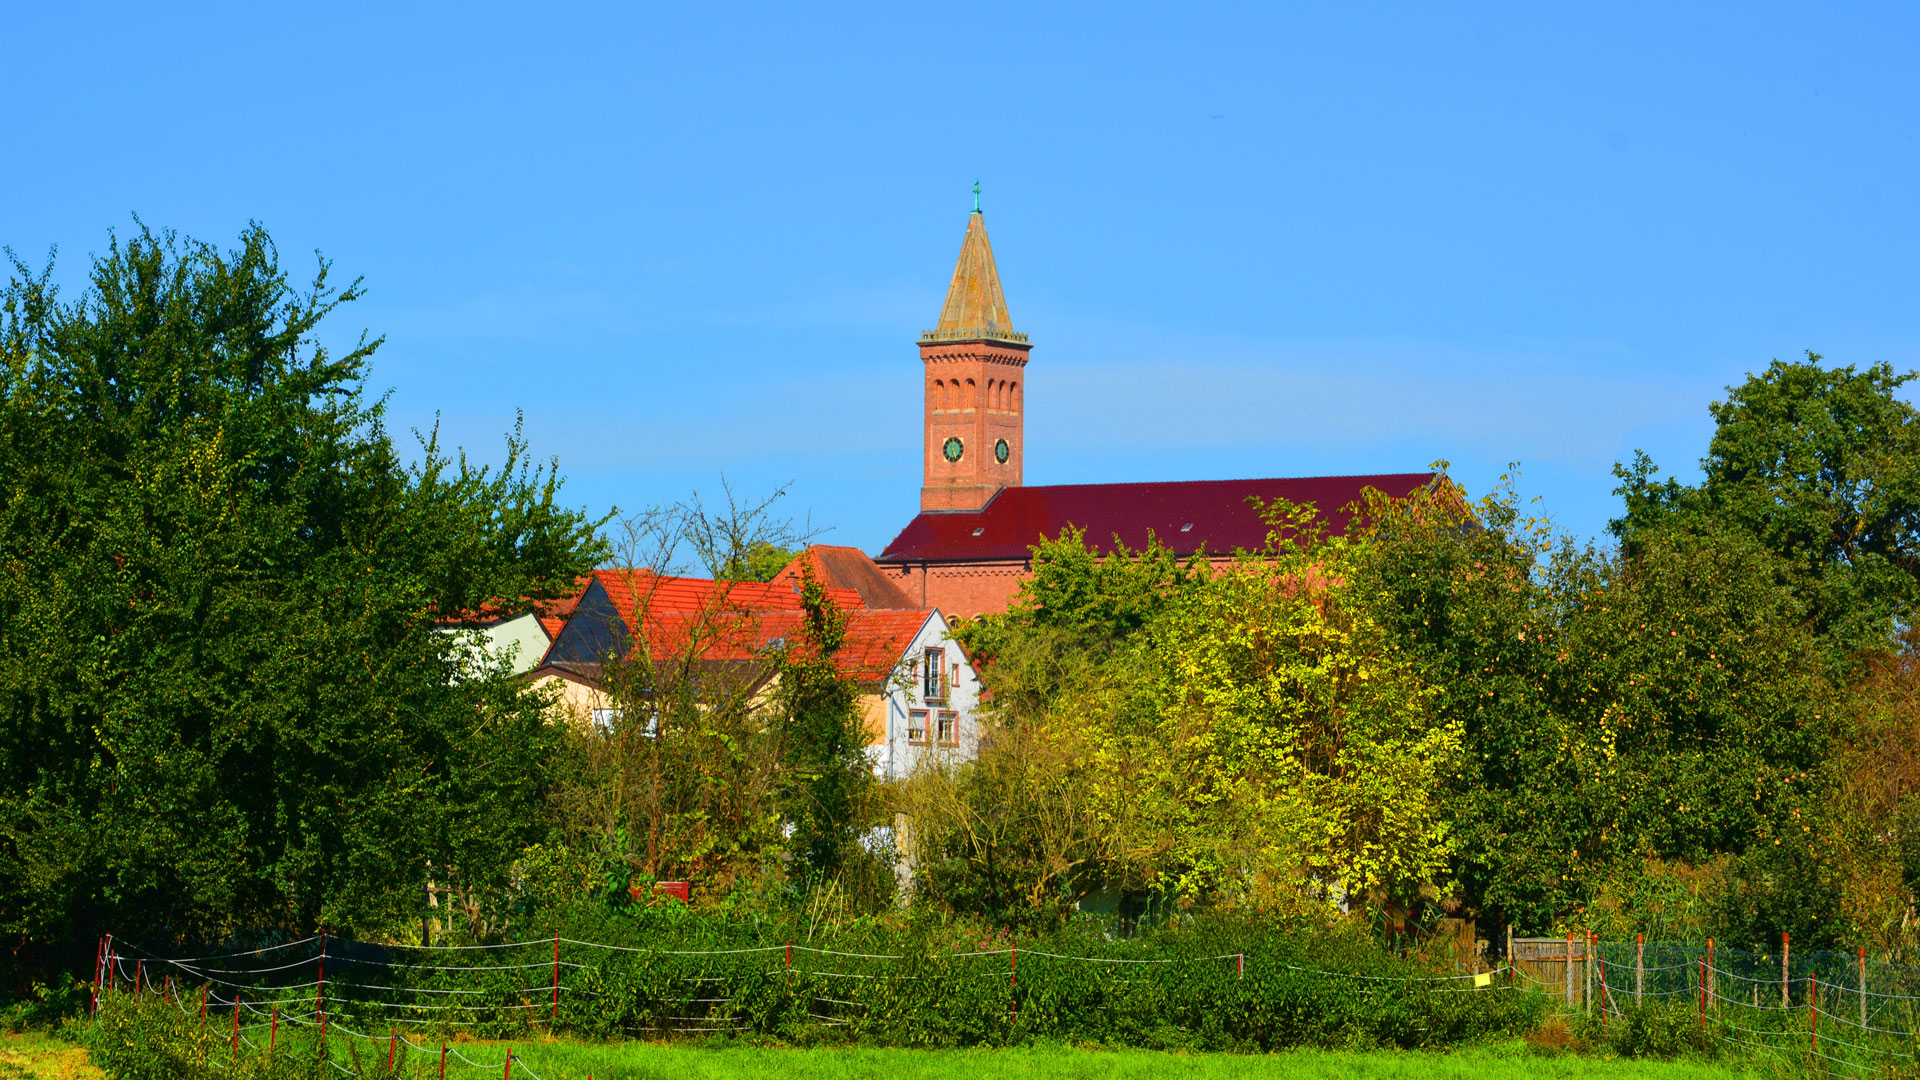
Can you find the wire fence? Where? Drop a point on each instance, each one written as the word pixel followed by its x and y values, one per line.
pixel 1837 1011
pixel 405 1001
pixel 1840 1012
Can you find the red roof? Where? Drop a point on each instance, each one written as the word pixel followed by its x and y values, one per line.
pixel 729 622
pixel 1187 516
pixel 846 568
pixel 636 590
pixel 875 643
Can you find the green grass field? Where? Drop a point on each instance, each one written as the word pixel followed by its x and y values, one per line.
pixel 640 1061
pixel 39 1057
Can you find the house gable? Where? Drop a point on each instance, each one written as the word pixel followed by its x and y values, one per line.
pixel 595 631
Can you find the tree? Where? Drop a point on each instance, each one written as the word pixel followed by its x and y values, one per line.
pixel 1266 748
pixel 760 562
pixel 1668 702
pixel 1821 466
pixel 1242 738
pixel 226 702
pixel 826 774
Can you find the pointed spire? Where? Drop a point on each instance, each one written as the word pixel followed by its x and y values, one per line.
pixel 976 310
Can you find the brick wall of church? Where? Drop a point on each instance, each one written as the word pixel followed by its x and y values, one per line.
pixel 969 590
pixel 960 589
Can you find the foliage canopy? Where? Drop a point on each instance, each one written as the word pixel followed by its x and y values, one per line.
pixel 228 703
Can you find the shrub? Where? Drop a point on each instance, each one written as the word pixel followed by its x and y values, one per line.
pixel 1660 1031
pixel 45 1006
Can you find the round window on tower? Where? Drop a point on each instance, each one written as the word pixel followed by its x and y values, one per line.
pixel 953 448
pixel 1001 451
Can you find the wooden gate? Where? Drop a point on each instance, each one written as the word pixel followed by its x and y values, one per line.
pixel 1556 966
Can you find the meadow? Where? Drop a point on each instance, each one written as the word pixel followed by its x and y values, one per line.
pixel 637 1061
pixel 35 1056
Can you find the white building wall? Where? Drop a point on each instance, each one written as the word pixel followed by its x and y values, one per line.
pixel 899 754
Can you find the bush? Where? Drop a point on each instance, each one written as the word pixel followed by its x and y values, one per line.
pixel 147 1037
pixel 1659 1031
pixel 941 984
pixel 45 1006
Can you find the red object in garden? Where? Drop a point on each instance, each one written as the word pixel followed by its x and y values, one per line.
pixel 1813 1012
pixel 679 890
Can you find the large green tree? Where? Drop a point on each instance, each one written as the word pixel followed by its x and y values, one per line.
pixel 1821 466
pixel 224 701
pixel 1668 702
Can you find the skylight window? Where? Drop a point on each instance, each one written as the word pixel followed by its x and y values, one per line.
pixel 1188 527
pixel 979 530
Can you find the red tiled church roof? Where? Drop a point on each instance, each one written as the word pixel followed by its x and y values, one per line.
pixel 1187 516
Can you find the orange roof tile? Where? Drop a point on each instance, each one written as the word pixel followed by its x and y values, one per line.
pixel 875 642
pixel 846 568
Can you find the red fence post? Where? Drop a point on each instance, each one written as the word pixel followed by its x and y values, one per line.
pixel 1703 994
pixel 1813 1012
pixel 1713 973
pixel 203 1004
pixel 1639 967
pixel 273 1031
pixel 139 972
pixel 443 1061
pixel 236 1024
pixel 556 979
pixel 508 1075
pixel 1785 942
pixel 1240 965
pixel 393 1043
pixel 1863 986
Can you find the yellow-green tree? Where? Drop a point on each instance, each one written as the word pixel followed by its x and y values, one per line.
pixel 1267 749
pixel 1245 739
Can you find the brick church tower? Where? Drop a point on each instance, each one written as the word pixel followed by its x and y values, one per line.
pixel 975 365
pixel 971 545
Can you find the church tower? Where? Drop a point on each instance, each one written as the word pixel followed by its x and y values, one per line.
pixel 975 385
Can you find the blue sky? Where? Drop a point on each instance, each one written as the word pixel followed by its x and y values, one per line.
pixel 1260 240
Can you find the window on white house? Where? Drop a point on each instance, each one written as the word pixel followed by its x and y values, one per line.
pixel 949 731
pixel 932 686
pixel 605 720
pixel 917 726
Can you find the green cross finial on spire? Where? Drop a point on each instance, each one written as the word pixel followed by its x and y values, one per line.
pixel 976 196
